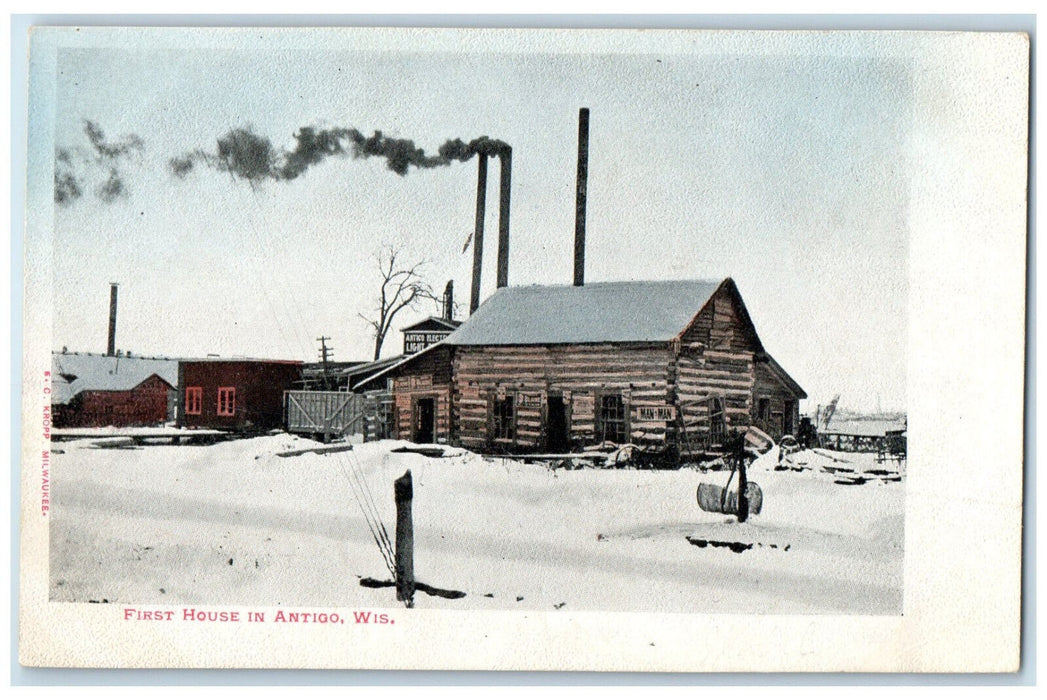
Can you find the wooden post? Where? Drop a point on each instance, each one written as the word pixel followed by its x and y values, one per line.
pixel 743 487
pixel 738 447
pixel 403 492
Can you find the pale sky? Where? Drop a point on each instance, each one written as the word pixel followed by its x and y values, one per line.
pixel 788 170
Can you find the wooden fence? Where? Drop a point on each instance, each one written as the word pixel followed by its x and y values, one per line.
pixel 845 442
pixel 889 447
pixel 329 414
pixel 324 413
pixel 379 415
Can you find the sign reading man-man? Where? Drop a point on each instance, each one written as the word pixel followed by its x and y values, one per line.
pixel 654 413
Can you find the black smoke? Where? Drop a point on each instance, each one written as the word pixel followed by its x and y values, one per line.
pixel 113 188
pixel 101 160
pixel 248 156
pixel 67 186
pixel 110 150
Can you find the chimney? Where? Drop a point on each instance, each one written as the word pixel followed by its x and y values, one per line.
pixel 579 202
pixel 506 157
pixel 478 236
pixel 111 351
pixel 449 301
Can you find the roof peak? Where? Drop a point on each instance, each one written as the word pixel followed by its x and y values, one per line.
pixel 626 311
pixel 613 283
pixel 121 356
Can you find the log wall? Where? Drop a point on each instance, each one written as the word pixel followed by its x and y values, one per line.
pixel 783 414
pixel 719 325
pixel 581 374
pixel 427 376
pixel 716 361
pixel 406 400
pixel 704 375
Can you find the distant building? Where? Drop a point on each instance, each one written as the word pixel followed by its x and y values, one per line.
pixel 671 366
pixel 330 376
pixel 862 434
pixel 235 393
pixel 95 390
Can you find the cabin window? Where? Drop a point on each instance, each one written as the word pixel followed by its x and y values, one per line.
pixel 787 423
pixel 717 420
pixel 193 400
pixel 612 419
pixel 503 422
pixel 763 411
pixel 226 400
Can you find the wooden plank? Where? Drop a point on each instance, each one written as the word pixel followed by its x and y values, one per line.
pixel 327 449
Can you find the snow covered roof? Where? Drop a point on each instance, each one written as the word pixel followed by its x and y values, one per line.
pixel 73 373
pixel 383 367
pixel 593 313
pixel 432 323
pixel 782 375
pixel 367 368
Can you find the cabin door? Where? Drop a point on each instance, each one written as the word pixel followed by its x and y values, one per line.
pixel 425 420
pixel 556 424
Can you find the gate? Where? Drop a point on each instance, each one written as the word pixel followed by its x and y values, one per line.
pixel 324 412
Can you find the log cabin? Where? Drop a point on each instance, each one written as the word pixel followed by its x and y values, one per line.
pixel 670 366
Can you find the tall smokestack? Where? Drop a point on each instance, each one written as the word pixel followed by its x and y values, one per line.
pixel 449 301
pixel 478 236
pixel 506 156
pixel 579 202
pixel 111 351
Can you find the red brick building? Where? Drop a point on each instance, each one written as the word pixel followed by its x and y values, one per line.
pixel 93 390
pixel 234 394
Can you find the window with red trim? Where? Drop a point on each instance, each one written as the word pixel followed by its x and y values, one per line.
pixel 226 400
pixel 193 399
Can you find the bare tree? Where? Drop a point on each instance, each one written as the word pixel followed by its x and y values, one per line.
pixel 402 288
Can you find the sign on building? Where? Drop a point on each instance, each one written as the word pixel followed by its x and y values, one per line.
pixel 416 341
pixel 654 413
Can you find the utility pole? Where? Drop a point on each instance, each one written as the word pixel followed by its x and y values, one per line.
pixel 325 353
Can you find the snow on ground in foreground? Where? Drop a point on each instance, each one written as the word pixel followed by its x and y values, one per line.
pixel 234 524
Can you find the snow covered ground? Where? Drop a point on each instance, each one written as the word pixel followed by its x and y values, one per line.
pixel 234 524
